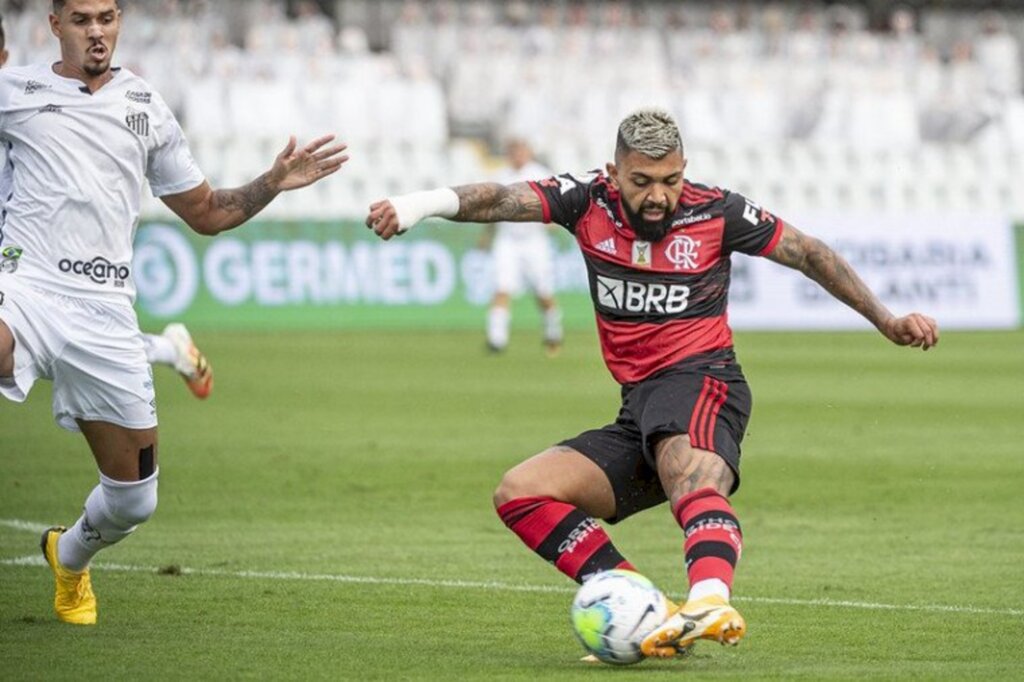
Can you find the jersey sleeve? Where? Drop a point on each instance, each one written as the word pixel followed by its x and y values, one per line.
pixel 749 228
pixel 564 198
pixel 171 168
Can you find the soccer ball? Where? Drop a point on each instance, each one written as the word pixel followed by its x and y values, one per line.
pixel 614 611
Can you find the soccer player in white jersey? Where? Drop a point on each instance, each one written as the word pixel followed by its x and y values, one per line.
pixel 174 346
pixel 82 137
pixel 522 254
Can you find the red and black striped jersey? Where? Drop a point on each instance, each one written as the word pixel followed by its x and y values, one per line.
pixel 660 303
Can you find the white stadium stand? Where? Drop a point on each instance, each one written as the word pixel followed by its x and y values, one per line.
pixel 797 104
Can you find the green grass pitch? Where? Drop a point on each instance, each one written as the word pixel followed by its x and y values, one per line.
pixel 326 515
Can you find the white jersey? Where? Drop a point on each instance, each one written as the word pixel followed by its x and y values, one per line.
pixel 72 186
pixel 521 231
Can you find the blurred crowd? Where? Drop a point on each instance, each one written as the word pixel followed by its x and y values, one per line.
pixel 764 69
pixel 424 85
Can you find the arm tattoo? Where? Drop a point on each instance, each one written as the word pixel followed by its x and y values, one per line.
pixel 826 267
pixel 249 199
pixel 489 202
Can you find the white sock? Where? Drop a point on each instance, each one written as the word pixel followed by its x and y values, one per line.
pixel 498 319
pixel 706 588
pixel 553 325
pixel 159 350
pixel 111 513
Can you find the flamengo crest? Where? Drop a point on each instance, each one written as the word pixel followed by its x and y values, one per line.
pixel 682 252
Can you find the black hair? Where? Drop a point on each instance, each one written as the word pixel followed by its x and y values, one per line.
pixel 58 5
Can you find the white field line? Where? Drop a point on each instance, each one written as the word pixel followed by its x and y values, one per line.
pixel 37 560
pixel 37 528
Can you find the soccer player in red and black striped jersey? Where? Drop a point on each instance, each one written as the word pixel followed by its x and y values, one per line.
pixel 657 249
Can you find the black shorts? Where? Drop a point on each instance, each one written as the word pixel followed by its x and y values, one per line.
pixel 709 402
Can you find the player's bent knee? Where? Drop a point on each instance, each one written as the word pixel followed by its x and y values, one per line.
pixel 115 509
pixel 516 484
pixel 558 472
pixel 129 504
pixel 505 492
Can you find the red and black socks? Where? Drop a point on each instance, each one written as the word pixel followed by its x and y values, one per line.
pixel 713 544
pixel 562 535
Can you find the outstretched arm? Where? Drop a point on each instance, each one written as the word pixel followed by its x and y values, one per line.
pixel 484 202
pixel 209 211
pixel 826 267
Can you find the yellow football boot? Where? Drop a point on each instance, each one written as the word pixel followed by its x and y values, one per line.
pixel 709 618
pixel 74 600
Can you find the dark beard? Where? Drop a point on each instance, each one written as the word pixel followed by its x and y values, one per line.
pixel 97 70
pixel 647 230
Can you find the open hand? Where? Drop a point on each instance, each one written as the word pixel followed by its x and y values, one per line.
pixel 294 168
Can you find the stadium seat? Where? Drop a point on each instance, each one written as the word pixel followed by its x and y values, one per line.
pixel 699 117
pixel 353 112
pixel 801 115
pixel 206 109
pixel 1013 115
pixel 262 107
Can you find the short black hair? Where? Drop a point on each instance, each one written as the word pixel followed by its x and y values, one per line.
pixel 58 5
pixel 3 36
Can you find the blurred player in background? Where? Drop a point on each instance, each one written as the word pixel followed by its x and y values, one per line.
pixel 657 249
pixel 82 137
pixel 522 254
pixel 174 347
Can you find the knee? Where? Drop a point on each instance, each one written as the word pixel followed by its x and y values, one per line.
pixel 513 486
pixel 130 503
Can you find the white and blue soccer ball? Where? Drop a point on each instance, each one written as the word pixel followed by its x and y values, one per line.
pixel 614 611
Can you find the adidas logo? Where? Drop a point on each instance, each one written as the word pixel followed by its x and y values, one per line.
pixel 608 245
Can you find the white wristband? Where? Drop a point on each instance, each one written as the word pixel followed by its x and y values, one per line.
pixel 414 207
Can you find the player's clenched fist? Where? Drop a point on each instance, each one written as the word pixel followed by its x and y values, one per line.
pixel 915 329
pixel 383 219
pixel 395 215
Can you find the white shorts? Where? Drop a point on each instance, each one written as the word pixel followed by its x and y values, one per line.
pixel 92 351
pixel 519 262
